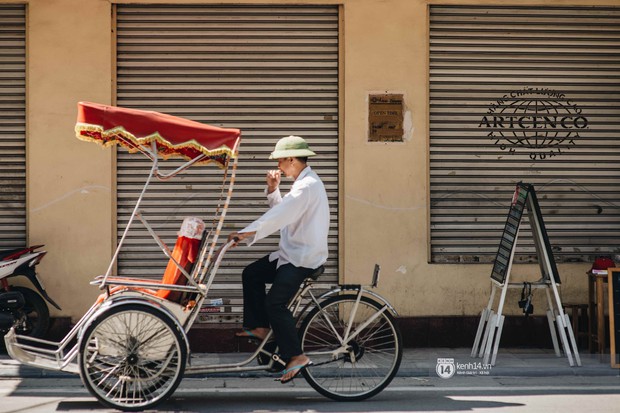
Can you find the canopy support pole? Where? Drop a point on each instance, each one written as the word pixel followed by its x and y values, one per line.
pixel 133 216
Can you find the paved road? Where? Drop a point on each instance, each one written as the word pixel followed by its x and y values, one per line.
pixel 565 394
pixel 524 380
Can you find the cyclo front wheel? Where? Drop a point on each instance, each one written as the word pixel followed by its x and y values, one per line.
pixel 132 357
pixel 366 363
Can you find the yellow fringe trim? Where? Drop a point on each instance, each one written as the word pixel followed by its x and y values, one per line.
pixel 109 138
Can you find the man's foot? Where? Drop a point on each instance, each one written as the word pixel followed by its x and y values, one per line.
pixel 295 366
pixel 258 333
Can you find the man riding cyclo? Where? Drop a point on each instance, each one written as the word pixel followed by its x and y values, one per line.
pixel 302 217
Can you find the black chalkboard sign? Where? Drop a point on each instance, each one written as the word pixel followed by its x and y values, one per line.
pixel 614 315
pixel 524 198
pixel 546 261
pixel 511 228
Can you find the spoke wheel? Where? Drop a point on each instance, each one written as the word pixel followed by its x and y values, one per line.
pixel 364 365
pixel 132 357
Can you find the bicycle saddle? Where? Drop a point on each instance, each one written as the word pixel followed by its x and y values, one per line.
pixel 316 273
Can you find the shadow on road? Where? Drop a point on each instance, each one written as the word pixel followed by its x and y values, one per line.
pixel 388 402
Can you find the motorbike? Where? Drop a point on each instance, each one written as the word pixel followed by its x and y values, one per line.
pixel 21 307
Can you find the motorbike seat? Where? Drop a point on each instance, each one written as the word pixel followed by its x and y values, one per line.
pixel 16 252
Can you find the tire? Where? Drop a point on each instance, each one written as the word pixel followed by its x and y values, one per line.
pixel 371 359
pixel 132 357
pixel 36 320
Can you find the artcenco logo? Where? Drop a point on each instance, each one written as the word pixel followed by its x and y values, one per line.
pixel 538 121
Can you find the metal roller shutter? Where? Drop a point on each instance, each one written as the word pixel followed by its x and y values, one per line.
pixel 270 71
pixel 524 94
pixel 12 126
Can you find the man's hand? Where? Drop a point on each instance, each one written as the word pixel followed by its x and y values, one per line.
pixel 234 236
pixel 273 180
pixel 239 236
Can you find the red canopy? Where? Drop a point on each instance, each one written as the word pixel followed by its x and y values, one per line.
pixel 131 128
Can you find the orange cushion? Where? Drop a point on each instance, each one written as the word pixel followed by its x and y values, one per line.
pixel 185 253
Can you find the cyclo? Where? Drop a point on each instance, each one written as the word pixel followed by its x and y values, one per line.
pixel 131 348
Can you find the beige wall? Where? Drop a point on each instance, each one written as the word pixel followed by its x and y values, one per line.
pixel 69 182
pixel 384 186
pixel 386 215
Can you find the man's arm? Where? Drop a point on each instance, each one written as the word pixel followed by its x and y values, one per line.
pixel 286 212
pixel 274 198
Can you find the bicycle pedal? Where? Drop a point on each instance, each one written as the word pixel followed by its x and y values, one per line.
pixel 277 364
pixel 266 355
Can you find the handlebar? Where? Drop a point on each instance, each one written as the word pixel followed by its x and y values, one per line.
pixel 222 250
pixel 215 262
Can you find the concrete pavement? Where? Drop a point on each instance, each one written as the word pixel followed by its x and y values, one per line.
pixel 530 380
pixel 416 362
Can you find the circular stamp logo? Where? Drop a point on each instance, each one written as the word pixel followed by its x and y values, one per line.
pixel 540 122
pixel 445 368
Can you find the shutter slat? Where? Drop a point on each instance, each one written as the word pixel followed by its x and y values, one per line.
pixel 12 126
pixel 268 70
pixel 502 79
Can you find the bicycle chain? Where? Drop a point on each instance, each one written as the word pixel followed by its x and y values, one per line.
pixel 326 362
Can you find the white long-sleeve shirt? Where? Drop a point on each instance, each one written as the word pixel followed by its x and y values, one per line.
pixel 302 216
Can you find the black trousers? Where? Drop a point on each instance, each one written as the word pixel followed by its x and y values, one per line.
pixel 262 309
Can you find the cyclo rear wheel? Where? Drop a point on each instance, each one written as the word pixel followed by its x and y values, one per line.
pixel 371 358
pixel 132 357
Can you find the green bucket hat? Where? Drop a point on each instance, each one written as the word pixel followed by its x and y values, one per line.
pixel 293 146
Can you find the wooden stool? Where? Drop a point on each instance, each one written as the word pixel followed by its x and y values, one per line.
pixel 578 312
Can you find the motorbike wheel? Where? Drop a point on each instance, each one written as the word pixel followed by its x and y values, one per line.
pixel 36 315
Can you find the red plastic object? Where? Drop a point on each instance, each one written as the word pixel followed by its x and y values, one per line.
pixel 603 263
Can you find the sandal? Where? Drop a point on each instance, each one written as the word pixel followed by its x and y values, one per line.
pixel 297 369
pixel 247 333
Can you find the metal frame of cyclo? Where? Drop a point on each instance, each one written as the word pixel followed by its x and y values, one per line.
pixel 57 355
pixel 59 358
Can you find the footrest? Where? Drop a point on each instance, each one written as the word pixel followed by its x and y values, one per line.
pixel 30 351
